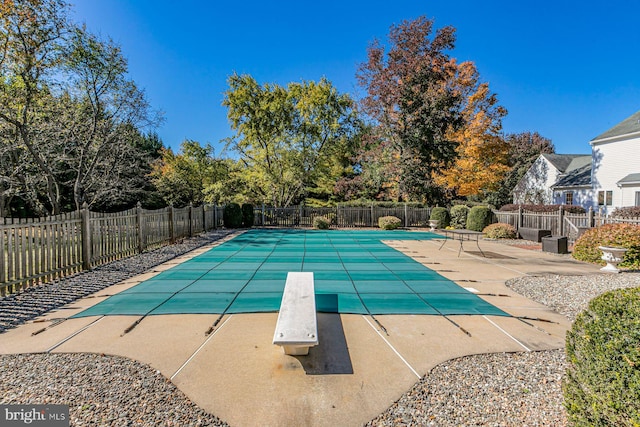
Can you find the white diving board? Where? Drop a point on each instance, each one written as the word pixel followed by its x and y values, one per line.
pixel 297 327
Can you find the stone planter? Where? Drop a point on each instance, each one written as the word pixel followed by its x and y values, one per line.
pixel 433 223
pixel 612 256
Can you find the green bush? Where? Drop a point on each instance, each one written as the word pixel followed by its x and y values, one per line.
pixel 602 383
pixel 622 235
pixel 459 216
pixel 247 215
pixel 479 218
pixel 500 230
pixel 321 223
pixel 232 215
pixel 441 215
pixel 389 222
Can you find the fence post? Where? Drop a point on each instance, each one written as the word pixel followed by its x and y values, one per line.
pixel 139 227
pixel 406 216
pixel 190 219
pixel 520 218
pixel 86 236
pixel 262 215
pixel 591 220
pixel 561 220
pixel 372 215
pixel 172 229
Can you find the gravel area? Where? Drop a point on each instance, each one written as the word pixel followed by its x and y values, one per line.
pixel 503 389
pixel 100 390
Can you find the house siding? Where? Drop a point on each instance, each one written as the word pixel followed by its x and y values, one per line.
pixel 612 161
pixel 535 185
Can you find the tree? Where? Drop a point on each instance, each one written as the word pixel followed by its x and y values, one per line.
pixel 104 111
pixel 482 154
pixel 184 177
pixel 31 35
pixel 524 149
pixel 288 139
pixel 414 101
pixel 73 115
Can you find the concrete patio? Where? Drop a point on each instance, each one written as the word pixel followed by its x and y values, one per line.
pixel 361 365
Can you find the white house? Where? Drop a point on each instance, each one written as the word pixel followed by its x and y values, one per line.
pixel 536 185
pixel 607 179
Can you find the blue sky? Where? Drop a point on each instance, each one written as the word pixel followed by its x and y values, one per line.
pixel 567 69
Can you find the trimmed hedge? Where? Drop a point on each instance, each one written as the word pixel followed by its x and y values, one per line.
pixel 459 216
pixel 500 230
pixel 389 222
pixel 247 215
pixel 628 212
pixel 602 383
pixel 442 215
pixel 479 218
pixel 232 215
pixel 321 223
pixel 622 235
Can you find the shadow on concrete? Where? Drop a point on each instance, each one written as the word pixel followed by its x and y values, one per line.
pixel 331 355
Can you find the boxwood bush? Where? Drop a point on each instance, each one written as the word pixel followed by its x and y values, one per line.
pixel 247 215
pixel 479 218
pixel 232 215
pixel 321 223
pixel 442 215
pixel 622 235
pixel 500 230
pixel 602 383
pixel 389 222
pixel 458 215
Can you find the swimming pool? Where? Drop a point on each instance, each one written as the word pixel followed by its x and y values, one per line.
pixel 354 272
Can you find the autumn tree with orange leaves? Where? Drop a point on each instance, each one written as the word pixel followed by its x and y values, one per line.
pixel 482 153
pixel 436 127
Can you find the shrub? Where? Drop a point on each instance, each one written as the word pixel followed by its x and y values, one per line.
pixel 500 230
pixel 441 215
pixel 628 212
pixel 321 223
pixel 247 215
pixel 479 218
pixel 602 383
pixel 232 215
pixel 459 216
pixel 389 222
pixel 622 235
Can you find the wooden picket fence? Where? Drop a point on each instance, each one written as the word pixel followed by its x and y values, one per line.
pixel 560 223
pixel 340 216
pixel 42 249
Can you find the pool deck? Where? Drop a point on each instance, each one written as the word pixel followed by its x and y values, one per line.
pixel 361 365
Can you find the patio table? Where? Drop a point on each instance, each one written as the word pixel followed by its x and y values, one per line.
pixel 461 236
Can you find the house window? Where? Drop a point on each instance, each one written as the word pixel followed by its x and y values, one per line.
pixel 568 198
pixel 605 198
pixel 637 198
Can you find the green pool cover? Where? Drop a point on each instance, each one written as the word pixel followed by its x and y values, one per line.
pixel 354 272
